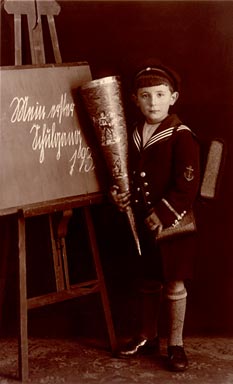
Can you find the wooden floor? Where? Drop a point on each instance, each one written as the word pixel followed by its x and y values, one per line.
pixel 89 361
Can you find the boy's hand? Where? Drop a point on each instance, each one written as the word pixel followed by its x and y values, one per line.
pixel 122 200
pixel 153 222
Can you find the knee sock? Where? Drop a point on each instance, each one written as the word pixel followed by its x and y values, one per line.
pixel 149 308
pixel 176 305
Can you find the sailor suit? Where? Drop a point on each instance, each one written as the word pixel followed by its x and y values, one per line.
pixel 165 177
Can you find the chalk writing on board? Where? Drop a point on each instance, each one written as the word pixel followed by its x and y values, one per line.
pixel 48 132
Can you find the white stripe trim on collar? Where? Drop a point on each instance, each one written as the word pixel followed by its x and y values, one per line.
pixel 183 127
pixel 157 137
pixel 137 139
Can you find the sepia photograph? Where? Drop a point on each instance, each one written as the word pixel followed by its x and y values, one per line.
pixel 116 185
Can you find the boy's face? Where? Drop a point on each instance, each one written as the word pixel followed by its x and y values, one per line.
pixel 154 102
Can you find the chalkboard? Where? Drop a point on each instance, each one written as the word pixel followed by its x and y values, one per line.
pixel 45 150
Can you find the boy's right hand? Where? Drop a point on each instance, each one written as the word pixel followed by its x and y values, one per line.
pixel 121 199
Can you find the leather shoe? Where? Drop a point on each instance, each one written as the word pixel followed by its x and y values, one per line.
pixel 177 358
pixel 139 346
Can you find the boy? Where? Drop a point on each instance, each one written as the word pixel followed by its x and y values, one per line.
pixel 165 174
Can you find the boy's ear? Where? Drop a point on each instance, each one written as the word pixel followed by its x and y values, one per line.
pixel 134 99
pixel 174 98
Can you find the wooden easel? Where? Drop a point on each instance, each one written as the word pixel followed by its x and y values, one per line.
pixel 34 9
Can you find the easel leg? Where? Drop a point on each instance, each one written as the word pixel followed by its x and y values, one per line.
pixel 100 276
pixel 23 334
pixel 58 231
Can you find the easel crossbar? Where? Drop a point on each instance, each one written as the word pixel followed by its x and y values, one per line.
pixel 76 290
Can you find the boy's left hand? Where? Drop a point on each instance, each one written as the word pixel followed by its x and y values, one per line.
pixel 153 222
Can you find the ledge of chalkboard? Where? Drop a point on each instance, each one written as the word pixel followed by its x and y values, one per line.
pixel 58 205
pixel 48 65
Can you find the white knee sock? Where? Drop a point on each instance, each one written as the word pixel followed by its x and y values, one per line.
pixel 176 305
pixel 150 305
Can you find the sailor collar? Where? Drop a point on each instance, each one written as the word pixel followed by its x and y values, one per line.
pixel 165 130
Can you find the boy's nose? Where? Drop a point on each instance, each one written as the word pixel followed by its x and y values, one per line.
pixel 153 99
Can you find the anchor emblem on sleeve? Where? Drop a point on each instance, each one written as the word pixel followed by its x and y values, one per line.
pixel 189 173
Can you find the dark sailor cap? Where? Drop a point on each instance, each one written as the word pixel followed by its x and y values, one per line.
pixel 156 75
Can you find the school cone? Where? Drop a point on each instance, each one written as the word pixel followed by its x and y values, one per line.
pixel 103 101
pixel 131 221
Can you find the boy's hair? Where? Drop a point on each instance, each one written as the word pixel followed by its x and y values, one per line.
pixel 156 75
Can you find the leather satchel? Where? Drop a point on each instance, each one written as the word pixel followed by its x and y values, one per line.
pixel 184 226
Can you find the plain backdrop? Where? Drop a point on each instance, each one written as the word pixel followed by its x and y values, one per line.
pixel 195 38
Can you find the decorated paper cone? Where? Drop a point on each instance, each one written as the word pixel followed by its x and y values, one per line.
pixel 103 101
pixel 131 221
